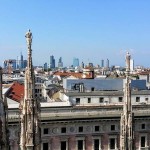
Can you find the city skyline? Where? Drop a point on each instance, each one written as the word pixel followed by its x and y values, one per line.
pixel 88 30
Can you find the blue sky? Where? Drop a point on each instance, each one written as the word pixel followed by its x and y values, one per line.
pixel 90 30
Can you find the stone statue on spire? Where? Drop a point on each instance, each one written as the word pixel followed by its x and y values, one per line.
pixel 127 116
pixel 29 38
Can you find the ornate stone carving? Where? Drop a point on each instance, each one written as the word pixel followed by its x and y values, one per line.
pixel 30 127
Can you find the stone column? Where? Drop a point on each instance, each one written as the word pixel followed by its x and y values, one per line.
pixel 55 143
pixel 72 143
pixel 88 142
pixel 137 140
pixel 105 141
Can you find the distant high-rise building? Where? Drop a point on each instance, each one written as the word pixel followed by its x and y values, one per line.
pixel 82 64
pixel 52 62
pixel 102 63
pixel 90 65
pixel 60 63
pixel 107 63
pixel 45 66
pixel 17 63
pixel 24 63
pixel 131 64
pixel 75 62
pixel 20 61
pixel 10 63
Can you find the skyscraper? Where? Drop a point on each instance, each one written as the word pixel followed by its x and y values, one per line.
pixel 45 66
pixel 102 63
pixel 107 63
pixel 9 64
pixel 21 61
pixel 52 62
pixel 60 63
pixel 131 64
pixel 75 62
pixel 30 107
pixel 24 63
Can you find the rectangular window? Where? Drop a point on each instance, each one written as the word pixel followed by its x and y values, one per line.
pixel 63 145
pixel 112 143
pixel 96 128
pixel 77 100
pixel 146 99
pixel 80 129
pixel 89 100
pixel 112 127
pixel 120 99
pixel 143 126
pixel 63 130
pixel 143 141
pixel 137 99
pixel 96 144
pixel 45 146
pixel 101 99
pixel 45 131
pixel 80 144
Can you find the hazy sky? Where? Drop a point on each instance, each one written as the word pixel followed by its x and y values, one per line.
pixel 90 30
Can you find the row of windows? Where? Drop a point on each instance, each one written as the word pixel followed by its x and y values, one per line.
pixel 80 129
pixel 96 128
pixel 80 145
pixel 96 144
pixel 101 100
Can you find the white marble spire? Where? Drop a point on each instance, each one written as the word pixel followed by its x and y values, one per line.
pixel 30 113
pixel 126 122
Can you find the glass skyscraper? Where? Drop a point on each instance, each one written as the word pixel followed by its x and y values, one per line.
pixel 52 62
pixel 75 62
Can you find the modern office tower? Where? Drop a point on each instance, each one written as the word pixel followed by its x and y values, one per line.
pixel 75 62
pixel 91 65
pixel 4 137
pixel 45 66
pixel 20 61
pixel 24 63
pixel 131 64
pixel 30 136
pixel 52 62
pixel 9 64
pixel 17 63
pixel 127 116
pixel 60 63
pixel 107 63
pixel 82 64
pixel 102 63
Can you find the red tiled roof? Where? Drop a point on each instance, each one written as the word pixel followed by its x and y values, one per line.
pixel 16 92
pixel 74 74
pixel 63 74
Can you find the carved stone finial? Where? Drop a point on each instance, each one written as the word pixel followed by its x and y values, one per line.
pixel 128 57
pixel 29 38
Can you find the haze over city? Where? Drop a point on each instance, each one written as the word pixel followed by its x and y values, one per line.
pixel 88 30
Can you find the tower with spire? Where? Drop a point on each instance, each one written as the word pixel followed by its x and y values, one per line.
pixel 30 137
pixel 126 123
pixel 3 120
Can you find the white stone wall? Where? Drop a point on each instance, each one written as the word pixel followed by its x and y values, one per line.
pixel 95 100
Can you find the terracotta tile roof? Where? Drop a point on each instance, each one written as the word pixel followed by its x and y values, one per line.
pixel 16 92
pixel 64 74
pixel 74 74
